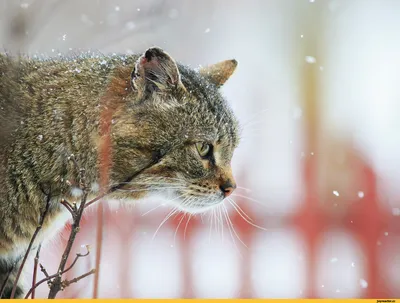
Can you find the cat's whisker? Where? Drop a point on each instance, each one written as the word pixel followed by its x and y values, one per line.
pixel 201 218
pixel 186 226
pixel 233 228
pixel 221 221
pixel 211 224
pixel 251 119
pixel 160 205
pixel 188 201
pixel 172 212
pixel 214 210
pixel 234 205
pixel 225 213
pixel 251 136
pixel 248 198
pixel 244 188
pixel 154 208
pixel 248 129
pixel 220 121
pixel 177 228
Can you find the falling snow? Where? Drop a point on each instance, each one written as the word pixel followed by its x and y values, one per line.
pixel 310 59
pixel 173 13
pixel 363 283
pixel 297 113
pixel 130 25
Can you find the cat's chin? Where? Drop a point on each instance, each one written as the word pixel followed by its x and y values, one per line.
pixel 195 206
pixel 199 208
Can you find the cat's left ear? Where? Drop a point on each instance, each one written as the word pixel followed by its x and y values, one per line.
pixel 155 70
pixel 220 72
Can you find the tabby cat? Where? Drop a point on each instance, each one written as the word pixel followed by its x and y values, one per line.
pixel 150 124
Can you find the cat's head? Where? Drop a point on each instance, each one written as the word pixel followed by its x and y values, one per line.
pixel 176 134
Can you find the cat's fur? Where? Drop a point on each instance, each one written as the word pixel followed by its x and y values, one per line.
pixel 152 110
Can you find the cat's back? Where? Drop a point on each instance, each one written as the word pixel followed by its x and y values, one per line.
pixel 36 86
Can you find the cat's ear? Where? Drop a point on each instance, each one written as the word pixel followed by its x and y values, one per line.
pixel 220 72
pixel 155 70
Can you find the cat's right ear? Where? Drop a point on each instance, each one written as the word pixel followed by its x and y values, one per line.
pixel 155 70
pixel 220 72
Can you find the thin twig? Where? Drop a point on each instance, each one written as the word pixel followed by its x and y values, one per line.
pixel 76 259
pixel 39 283
pixel 66 283
pixel 56 284
pixel 112 189
pixel 68 206
pixel 55 281
pixel 43 270
pixel 47 279
pixel 98 198
pixel 30 246
pixel 35 270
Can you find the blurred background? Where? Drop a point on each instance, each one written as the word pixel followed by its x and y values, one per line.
pixel 317 93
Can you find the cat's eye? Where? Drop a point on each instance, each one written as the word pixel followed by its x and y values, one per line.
pixel 204 149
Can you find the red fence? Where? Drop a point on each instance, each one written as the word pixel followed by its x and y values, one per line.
pixel 366 219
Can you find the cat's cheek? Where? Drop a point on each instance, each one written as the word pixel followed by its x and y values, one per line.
pixel 129 195
pixel 138 195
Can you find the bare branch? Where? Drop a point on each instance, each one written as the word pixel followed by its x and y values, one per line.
pixel 76 259
pixel 50 277
pixel 35 270
pixel 56 284
pixel 55 281
pixel 68 206
pixel 43 270
pixel 66 283
pixel 30 246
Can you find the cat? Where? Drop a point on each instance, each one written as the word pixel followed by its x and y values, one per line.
pixel 150 123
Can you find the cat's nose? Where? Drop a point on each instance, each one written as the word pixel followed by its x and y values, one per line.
pixel 227 188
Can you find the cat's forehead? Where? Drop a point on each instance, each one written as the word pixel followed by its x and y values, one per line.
pixel 210 108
